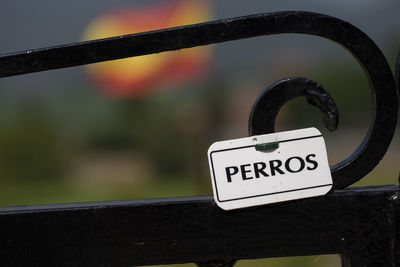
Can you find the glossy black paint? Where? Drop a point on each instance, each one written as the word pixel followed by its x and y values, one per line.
pixel 397 71
pixel 360 224
pixel 266 108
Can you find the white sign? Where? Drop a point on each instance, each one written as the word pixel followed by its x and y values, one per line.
pixel 269 168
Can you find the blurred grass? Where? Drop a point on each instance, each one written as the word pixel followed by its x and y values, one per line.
pixel 80 189
pixel 63 191
pixel 312 261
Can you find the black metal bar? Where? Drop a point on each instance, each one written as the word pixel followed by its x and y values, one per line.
pixel 159 41
pixel 266 107
pixel 184 37
pixel 360 223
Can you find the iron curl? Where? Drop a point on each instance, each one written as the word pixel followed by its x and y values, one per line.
pixel 384 95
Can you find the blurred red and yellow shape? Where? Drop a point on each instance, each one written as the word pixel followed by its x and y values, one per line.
pixel 137 76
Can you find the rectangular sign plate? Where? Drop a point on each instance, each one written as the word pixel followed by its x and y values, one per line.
pixel 269 168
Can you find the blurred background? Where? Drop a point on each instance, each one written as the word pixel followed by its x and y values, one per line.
pixel 141 127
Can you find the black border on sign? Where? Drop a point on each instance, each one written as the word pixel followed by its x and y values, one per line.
pixel 283 141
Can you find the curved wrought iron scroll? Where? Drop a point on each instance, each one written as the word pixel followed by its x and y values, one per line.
pixel 385 105
pixel 266 108
pixel 359 44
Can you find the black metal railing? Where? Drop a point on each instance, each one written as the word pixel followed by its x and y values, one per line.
pixel 359 224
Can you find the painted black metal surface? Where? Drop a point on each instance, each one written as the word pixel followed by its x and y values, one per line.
pixel 385 96
pixel 360 224
pixel 397 71
pixel 266 108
